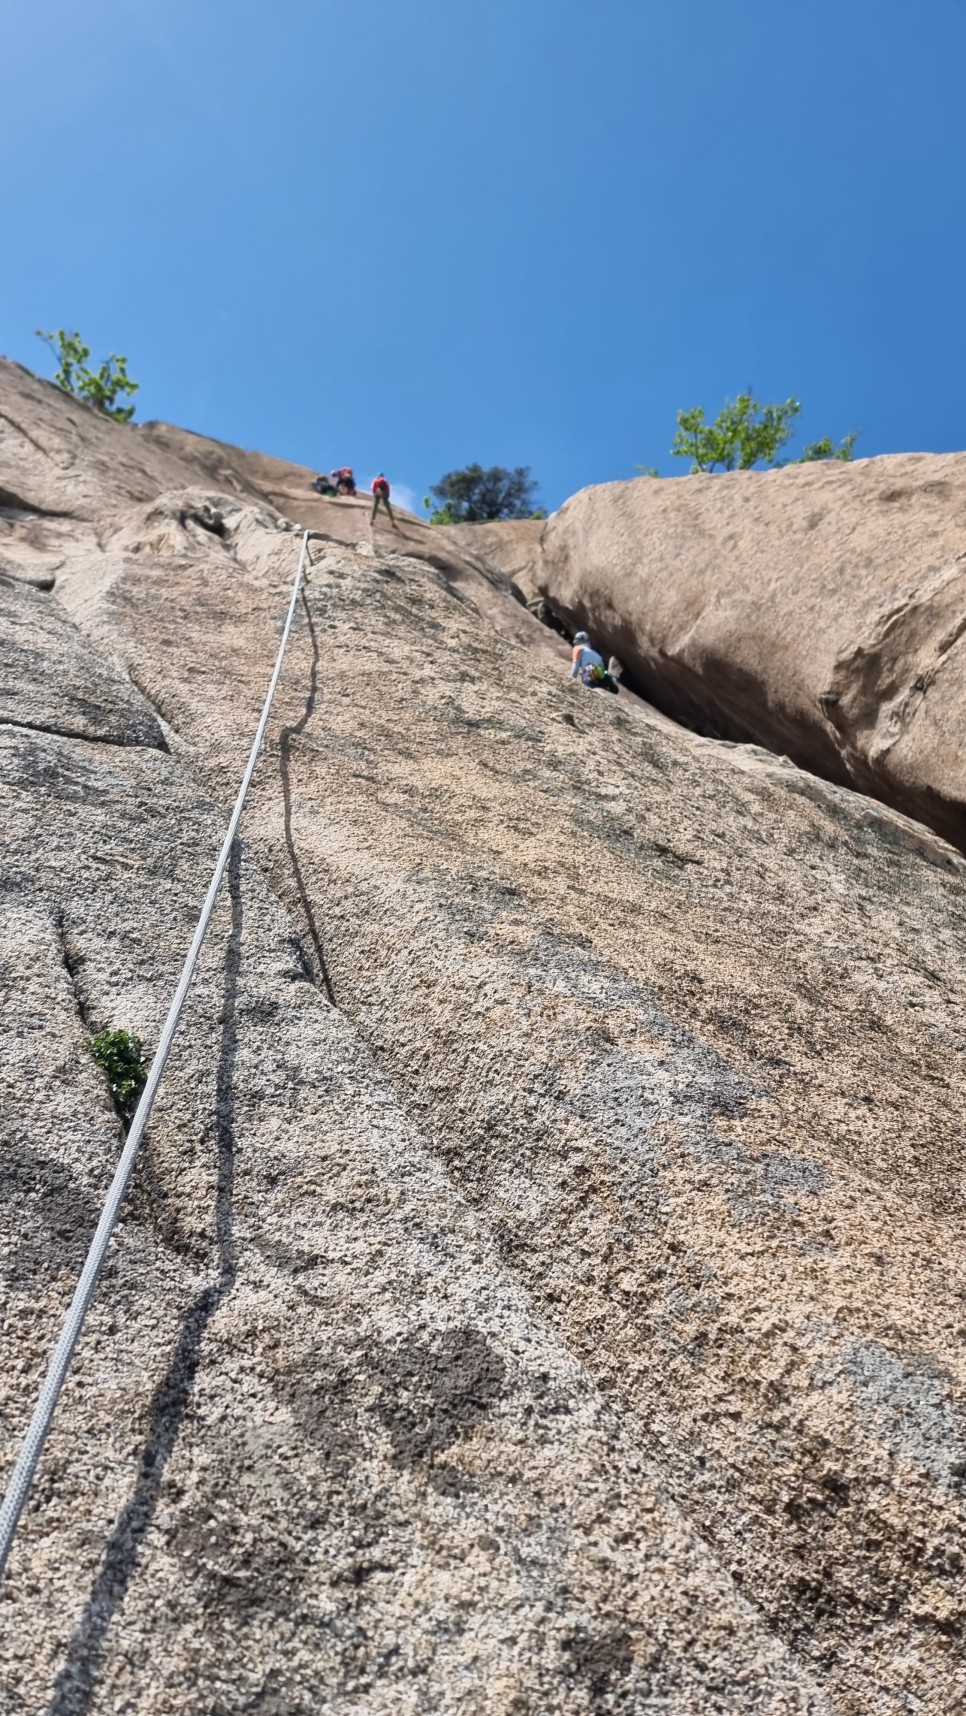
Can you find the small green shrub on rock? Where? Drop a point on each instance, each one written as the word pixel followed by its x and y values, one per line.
pixel 121 1057
pixel 826 449
pixel 101 387
pixel 745 434
pixel 441 514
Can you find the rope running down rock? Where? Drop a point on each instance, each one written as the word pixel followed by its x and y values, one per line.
pixel 37 1431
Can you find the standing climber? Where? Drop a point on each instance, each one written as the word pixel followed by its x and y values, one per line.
pixel 589 667
pixel 380 492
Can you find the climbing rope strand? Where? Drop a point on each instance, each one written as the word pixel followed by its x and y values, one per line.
pixel 33 1442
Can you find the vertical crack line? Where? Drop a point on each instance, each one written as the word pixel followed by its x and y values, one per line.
pixel 287 735
pixel 153 704
pixel 73 964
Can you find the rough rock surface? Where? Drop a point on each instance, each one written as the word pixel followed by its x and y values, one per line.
pixel 65 476
pixel 544 1285
pixel 82 697
pixel 819 610
pixel 511 546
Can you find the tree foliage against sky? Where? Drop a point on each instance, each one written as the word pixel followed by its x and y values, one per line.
pixel 745 434
pixel 474 495
pixel 102 387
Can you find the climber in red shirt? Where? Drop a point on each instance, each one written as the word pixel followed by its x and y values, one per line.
pixel 345 483
pixel 380 492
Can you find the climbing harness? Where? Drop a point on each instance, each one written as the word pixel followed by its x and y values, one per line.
pixel 33 1442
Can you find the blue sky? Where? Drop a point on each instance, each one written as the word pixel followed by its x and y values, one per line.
pixel 408 236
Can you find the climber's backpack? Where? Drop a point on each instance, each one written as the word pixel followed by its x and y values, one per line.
pixel 599 678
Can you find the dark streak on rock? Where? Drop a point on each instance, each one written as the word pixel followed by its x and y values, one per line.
pixel 599 1659
pixel 435 1390
pixel 57 1215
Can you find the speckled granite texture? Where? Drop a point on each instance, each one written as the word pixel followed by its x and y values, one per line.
pixel 543 1286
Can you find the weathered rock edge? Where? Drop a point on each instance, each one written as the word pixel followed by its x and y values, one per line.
pixel 819 610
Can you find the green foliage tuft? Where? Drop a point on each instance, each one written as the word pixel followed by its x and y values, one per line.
pixel 441 514
pixel 743 434
pixel 825 450
pixel 121 1057
pixel 101 387
pixel 746 434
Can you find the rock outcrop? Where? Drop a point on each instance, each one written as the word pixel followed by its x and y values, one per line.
pixel 543 1287
pixel 819 610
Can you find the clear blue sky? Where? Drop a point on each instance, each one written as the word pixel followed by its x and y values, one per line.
pixel 412 235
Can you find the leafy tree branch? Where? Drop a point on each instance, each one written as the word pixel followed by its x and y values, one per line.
pixel 101 388
pixel 745 434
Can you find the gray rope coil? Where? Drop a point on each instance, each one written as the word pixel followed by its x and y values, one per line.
pixel 32 1447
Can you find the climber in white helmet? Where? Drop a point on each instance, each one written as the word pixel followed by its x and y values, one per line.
pixel 584 657
pixel 589 667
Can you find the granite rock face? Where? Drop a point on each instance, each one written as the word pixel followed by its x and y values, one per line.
pixel 50 681
pixel 543 1287
pixel 819 610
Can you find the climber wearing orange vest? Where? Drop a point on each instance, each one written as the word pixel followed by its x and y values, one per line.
pixel 380 492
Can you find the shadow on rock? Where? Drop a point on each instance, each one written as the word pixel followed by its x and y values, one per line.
pixel 76 1684
pixel 285 752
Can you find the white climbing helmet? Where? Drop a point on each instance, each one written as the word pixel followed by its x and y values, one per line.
pixel 581 637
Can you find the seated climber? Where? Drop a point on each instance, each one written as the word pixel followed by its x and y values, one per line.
pixel 324 485
pixel 589 667
pixel 380 496
pixel 345 482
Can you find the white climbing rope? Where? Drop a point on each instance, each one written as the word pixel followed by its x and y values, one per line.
pixel 33 1442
